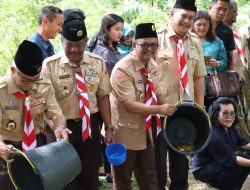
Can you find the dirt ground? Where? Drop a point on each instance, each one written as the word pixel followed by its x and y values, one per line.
pixel 197 185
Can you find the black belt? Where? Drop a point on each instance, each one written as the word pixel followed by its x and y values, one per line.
pixel 15 143
pixel 78 120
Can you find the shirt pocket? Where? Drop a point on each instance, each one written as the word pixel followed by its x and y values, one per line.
pixel 12 122
pixel 193 59
pixel 92 83
pixel 164 60
pixel 131 121
pixel 38 116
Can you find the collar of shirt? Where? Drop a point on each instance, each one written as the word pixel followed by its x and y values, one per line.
pixel 12 88
pixel 171 31
pixel 138 65
pixel 45 44
pixel 85 59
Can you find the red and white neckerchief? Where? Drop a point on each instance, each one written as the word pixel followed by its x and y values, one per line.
pixel 239 48
pixel 181 57
pixel 83 102
pixel 29 136
pixel 151 99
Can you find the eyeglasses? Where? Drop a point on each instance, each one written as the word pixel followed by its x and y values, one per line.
pixel 30 81
pixel 145 46
pixel 226 114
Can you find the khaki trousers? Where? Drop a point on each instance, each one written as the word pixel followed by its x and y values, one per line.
pixel 142 163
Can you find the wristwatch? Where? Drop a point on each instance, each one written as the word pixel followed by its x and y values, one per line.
pixel 108 127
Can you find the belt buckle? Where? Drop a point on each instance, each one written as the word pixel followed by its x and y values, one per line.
pixel 77 120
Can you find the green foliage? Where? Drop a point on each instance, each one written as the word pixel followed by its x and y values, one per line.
pixel 19 18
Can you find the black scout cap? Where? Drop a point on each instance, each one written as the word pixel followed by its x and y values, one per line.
pixel 29 58
pixel 74 28
pixel 145 30
pixel 186 4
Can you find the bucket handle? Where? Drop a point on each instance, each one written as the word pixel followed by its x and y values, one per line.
pixel 190 102
pixel 8 165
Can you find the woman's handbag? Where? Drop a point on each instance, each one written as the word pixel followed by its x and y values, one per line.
pixel 222 83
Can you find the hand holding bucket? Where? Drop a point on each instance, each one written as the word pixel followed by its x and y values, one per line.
pixel 49 167
pixel 188 130
pixel 116 153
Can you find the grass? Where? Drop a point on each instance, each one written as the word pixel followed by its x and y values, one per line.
pixel 108 186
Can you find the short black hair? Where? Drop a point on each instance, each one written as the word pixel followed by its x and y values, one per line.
pixel 49 12
pixel 214 109
pixel 215 1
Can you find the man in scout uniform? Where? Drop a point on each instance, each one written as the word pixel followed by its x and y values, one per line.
pixel 25 98
pixel 180 57
pixel 133 101
pixel 82 88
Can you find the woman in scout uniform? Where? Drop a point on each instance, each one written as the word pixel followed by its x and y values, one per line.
pixel 82 88
pixel 25 98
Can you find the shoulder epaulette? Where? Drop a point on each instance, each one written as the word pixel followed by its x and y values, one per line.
pixel 90 56
pixel 160 30
pixel 193 35
pixel 3 82
pixel 52 58
pixel 44 81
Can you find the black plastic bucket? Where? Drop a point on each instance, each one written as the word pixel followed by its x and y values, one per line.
pixel 49 167
pixel 188 130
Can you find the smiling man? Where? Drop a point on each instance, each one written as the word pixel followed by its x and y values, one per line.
pixel 50 22
pixel 26 97
pixel 180 57
pixel 133 99
pixel 82 88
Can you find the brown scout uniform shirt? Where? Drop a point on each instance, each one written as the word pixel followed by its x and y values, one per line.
pixel 129 84
pixel 42 101
pixel 58 70
pixel 167 61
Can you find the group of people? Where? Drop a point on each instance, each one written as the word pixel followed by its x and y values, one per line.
pixel 127 87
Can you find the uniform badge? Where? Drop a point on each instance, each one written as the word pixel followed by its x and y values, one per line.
pixel 11 125
pixel 65 91
pixel 92 66
pixel 64 76
pixel 62 69
pixel 106 73
pixel 11 106
pixel 90 72
pixel 37 102
pixel 36 95
pixel 140 81
pixel 79 33
pixel 91 87
pixel 141 96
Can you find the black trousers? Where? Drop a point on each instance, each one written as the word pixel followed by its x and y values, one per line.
pixel 89 153
pixel 178 163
